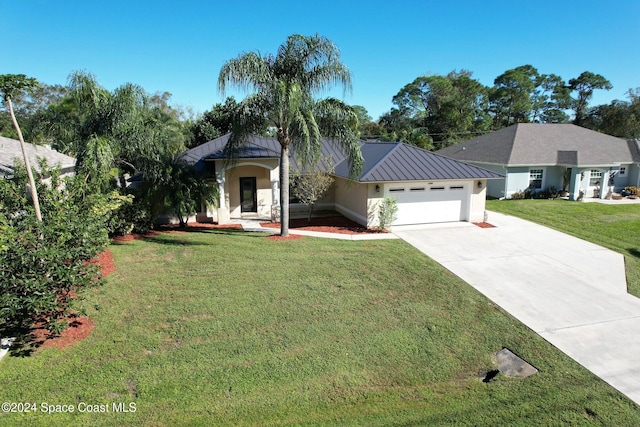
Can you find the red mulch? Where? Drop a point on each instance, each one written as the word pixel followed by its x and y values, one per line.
pixel 484 225
pixel 79 328
pixel 105 262
pixel 334 224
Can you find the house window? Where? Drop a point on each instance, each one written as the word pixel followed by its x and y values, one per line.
pixel 436 188
pixel 535 178
pixel 456 187
pixel 623 170
pixel 417 188
pixel 396 190
pixel 595 178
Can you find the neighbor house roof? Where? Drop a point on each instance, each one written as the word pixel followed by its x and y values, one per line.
pixel 10 150
pixel 383 161
pixel 545 144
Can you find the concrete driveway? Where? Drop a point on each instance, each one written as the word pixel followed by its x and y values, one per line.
pixel 571 292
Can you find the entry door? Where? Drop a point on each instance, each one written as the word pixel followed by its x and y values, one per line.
pixel 248 196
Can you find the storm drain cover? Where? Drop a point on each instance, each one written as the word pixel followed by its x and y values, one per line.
pixel 512 366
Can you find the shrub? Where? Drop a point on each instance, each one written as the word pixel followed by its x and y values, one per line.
pixel 44 263
pixel 387 213
pixel 632 190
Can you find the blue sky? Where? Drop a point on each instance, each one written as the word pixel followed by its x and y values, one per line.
pixel 179 46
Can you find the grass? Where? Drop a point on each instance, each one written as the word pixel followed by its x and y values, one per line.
pixel 616 227
pixel 230 328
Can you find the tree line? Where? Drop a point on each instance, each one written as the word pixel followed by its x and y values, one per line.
pixel 438 110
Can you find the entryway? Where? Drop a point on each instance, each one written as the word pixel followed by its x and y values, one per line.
pixel 248 195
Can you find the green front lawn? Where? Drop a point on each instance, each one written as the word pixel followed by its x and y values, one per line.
pixel 616 227
pixel 230 328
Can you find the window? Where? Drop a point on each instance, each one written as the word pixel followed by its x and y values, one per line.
pixel 595 178
pixel 456 187
pixel 535 178
pixel 436 188
pixel 417 188
pixel 396 190
pixel 623 170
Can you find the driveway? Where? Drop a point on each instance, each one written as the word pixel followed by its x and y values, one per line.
pixel 571 292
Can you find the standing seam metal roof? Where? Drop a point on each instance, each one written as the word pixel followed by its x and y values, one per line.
pixel 383 161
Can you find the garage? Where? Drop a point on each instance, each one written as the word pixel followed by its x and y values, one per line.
pixel 421 203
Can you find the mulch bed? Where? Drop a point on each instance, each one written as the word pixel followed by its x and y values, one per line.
pixel 334 224
pixel 484 225
pixel 79 327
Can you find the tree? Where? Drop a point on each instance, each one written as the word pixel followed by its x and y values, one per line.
pixel 310 184
pixel 618 118
pixel 111 133
pixel 10 86
pixel 511 95
pixel 446 108
pixel 171 182
pixel 283 88
pixel 214 123
pixel 584 85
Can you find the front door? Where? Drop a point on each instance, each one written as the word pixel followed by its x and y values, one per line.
pixel 248 196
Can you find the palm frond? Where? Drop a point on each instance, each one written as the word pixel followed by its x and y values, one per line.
pixel 339 121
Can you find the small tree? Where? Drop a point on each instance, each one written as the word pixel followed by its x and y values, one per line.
pixel 387 212
pixel 309 186
pixel 172 182
pixel 11 85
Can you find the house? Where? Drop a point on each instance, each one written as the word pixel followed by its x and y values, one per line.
pixel 428 187
pixel 10 150
pixel 564 156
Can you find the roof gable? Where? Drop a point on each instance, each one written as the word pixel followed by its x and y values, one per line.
pixel 544 144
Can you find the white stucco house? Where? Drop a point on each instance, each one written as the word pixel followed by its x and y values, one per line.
pixel 429 187
pixel 11 152
pixel 564 156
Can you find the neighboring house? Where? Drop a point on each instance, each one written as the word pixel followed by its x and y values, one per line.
pixel 564 156
pixel 10 152
pixel 428 187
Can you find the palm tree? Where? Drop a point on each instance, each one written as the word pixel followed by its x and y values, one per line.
pixel 10 85
pixel 283 87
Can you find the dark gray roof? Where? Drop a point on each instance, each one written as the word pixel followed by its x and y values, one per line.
pixel 383 161
pixel 10 150
pixel 545 144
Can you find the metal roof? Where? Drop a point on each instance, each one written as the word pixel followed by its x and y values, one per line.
pixel 383 161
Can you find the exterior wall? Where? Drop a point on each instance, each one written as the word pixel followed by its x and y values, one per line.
pixel 518 180
pixel 634 175
pixel 477 200
pixel 621 181
pixel 265 192
pixel 351 200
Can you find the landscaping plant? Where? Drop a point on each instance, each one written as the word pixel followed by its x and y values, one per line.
pixel 43 264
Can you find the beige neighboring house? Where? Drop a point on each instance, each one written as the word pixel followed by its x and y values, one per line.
pixel 428 187
pixel 11 152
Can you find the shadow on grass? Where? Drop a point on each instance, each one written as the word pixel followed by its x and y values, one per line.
pixel 25 343
pixel 634 252
pixel 166 236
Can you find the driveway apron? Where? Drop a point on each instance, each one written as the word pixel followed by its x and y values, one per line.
pixel 571 292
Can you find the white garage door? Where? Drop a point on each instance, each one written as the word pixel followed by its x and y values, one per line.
pixel 422 204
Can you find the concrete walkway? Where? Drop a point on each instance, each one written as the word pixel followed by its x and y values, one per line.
pixel 571 292
pixel 254 225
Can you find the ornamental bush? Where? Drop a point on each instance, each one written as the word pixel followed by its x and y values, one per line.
pixel 42 264
pixel 387 213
